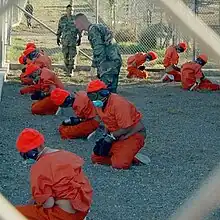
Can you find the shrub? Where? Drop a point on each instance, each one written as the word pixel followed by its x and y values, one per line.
pixel 125 35
pixel 150 35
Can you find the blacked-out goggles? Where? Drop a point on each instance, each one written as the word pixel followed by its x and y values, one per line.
pixel 93 96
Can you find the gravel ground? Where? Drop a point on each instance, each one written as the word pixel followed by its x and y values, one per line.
pixel 183 135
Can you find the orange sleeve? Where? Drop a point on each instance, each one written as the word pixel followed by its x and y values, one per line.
pixel 199 74
pixel 83 107
pixel 168 57
pixel 126 113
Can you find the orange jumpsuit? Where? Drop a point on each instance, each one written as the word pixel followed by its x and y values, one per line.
pixel 133 63
pixel 58 175
pixel 41 60
pixel 191 72
pixel 83 109
pixel 48 81
pixel 118 114
pixel 172 58
pixel 25 80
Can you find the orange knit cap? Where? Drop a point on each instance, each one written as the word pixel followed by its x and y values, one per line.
pixel 183 45
pixel 21 59
pixel 96 85
pixel 29 139
pixel 29 50
pixel 30 44
pixel 58 96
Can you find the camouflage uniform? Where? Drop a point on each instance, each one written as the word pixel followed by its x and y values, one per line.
pixel 106 55
pixel 68 33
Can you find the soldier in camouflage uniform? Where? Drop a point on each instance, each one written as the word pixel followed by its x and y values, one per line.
pixel 106 56
pixel 70 38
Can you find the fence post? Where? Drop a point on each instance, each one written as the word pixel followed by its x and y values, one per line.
pixel 2 21
pixel 194 40
pixel 97 11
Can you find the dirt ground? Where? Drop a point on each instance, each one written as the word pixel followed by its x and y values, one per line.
pixel 182 141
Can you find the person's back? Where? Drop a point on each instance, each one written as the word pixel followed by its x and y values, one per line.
pixel 29 8
pixel 62 171
pixel 43 60
pixel 83 106
pixel 171 57
pixel 112 114
pixel 104 35
pixel 189 71
pixel 49 77
pixel 60 189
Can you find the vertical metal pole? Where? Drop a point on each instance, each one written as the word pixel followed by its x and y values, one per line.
pixel 1 40
pixel 194 39
pixel 71 3
pixel 219 13
pixel 97 12
pixel 114 14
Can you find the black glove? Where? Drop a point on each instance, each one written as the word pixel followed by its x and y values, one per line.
pixel 23 70
pixel 103 146
pixel 142 68
pixel 58 41
pixel 38 95
pixel 78 42
pixel 71 121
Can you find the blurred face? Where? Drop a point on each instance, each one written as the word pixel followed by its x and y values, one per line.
pixel 99 98
pixel 80 24
pixel 179 49
pixel 68 10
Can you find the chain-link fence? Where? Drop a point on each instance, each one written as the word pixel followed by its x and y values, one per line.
pixel 138 26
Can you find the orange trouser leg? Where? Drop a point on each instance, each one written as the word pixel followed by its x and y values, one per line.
pixel 78 131
pixel 34 212
pixel 25 80
pixel 208 85
pixel 136 73
pixel 44 107
pixel 176 74
pixel 122 152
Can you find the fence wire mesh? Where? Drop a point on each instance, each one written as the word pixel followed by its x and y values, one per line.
pixel 138 26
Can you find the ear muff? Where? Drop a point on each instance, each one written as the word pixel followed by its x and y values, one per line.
pixel 149 57
pixel 32 154
pixel 181 50
pixel 104 92
pixel 200 61
pixel 23 70
pixel 32 55
pixel 68 101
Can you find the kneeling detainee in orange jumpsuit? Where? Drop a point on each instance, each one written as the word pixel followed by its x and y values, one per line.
pixel 23 60
pixel 25 80
pixel 171 59
pixel 125 133
pixel 45 81
pixel 193 77
pixel 135 63
pixel 86 121
pixel 60 190
pixel 35 56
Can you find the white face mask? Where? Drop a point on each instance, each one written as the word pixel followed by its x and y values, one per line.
pixel 29 162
